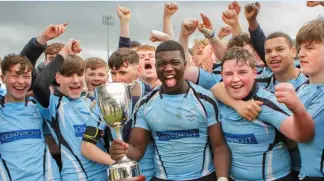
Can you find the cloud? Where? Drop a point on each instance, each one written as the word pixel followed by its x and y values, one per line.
pixel 22 20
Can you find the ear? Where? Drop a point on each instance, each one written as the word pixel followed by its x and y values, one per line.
pixel 293 52
pixel 58 78
pixel 254 70
pixel 139 70
pixel 3 78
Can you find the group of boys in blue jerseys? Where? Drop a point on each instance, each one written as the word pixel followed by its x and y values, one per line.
pixel 240 122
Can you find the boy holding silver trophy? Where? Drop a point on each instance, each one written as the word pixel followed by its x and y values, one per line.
pixel 125 69
pixel 67 114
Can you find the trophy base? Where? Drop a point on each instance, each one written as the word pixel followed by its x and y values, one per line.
pixel 126 170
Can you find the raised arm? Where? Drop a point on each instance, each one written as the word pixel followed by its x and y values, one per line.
pixel 169 10
pixel 314 3
pixel 230 17
pixel 124 15
pixel 46 77
pixel 206 28
pixel 36 46
pixel 257 35
pixel 300 126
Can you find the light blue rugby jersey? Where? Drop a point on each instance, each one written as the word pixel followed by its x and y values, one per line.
pixel 147 161
pixel 270 83
pixel 67 120
pixel 179 128
pixel 24 153
pixel 258 150
pixel 207 80
pixel 312 152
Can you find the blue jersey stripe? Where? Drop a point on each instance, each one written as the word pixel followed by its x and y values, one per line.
pixel 157 152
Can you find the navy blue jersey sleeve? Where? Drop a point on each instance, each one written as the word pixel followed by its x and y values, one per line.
pixel 258 39
pixel 45 79
pixel 33 50
pixel 124 42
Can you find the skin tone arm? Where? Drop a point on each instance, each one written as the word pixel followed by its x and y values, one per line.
pixel 222 154
pixel 300 126
pixel 230 17
pixel 169 10
pixel 158 36
pixel 124 15
pixel 206 28
pixel 93 153
pixel 314 3
pixel 135 150
pixel 249 110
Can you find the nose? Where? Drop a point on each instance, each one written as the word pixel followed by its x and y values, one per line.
pixel 235 78
pixel 273 54
pixel 168 68
pixel 301 53
pixel 75 78
pixel 118 78
pixel 21 79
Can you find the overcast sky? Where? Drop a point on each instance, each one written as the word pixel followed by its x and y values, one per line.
pixel 19 21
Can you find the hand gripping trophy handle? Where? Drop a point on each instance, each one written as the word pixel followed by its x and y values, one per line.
pixel 114 100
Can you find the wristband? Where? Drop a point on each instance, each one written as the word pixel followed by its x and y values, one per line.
pixel 211 36
pixel 222 179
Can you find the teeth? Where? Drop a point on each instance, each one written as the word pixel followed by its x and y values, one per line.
pixel 237 86
pixel 274 62
pixel 20 88
pixel 169 76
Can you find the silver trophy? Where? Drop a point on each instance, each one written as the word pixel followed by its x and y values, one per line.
pixel 114 100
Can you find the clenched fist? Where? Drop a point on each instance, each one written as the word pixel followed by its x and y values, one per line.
pixel 170 9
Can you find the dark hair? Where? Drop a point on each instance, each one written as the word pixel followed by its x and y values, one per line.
pixel 72 64
pixel 312 31
pixel 11 60
pixel 94 62
pixel 54 48
pixel 121 57
pixel 280 34
pixel 135 44
pixel 239 40
pixel 241 55
pixel 170 45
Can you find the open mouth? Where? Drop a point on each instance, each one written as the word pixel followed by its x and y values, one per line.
pixel 236 87
pixel 170 80
pixel 96 84
pixel 275 63
pixel 147 66
pixel 76 89
pixel 19 88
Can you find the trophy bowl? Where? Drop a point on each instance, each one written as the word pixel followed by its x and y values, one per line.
pixel 115 103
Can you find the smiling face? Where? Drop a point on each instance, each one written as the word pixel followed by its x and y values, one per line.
pixel 96 77
pixel 238 78
pixel 170 67
pixel 17 82
pixel 71 85
pixel 279 55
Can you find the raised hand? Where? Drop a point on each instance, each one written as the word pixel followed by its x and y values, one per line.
pixel 51 32
pixel 188 27
pixel 224 31
pixel 314 3
pixel 251 11
pixel 235 6
pixel 71 48
pixel 206 27
pixel 170 9
pixel 118 149
pixel 286 94
pixel 230 18
pixel 123 13
pixel 158 36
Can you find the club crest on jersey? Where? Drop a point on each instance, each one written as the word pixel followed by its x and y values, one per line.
pixel 79 130
pixel 35 116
